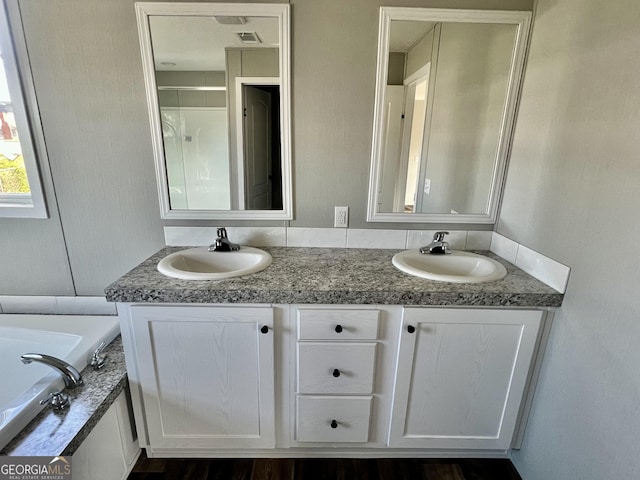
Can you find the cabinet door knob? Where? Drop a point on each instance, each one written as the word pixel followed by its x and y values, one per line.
pixel 334 424
pixel 338 328
pixel 411 329
pixel 336 372
pixel 264 329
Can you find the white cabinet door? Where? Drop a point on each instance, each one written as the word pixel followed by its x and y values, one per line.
pixel 206 375
pixel 461 376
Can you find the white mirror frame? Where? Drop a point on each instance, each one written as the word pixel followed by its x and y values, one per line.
pixel 522 21
pixel 280 11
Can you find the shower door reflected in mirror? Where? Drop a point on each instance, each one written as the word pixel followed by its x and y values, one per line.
pixel 197 157
pixel 445 97
pixel 218 94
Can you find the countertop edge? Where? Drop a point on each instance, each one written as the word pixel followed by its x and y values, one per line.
pixel 425 299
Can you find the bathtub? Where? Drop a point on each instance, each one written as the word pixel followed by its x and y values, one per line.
pixel 70 337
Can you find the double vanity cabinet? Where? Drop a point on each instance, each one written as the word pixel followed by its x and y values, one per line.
pixel 325 378
pixel 222 380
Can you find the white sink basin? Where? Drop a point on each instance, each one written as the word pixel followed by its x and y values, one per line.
pixel 201 264
pixel 456 267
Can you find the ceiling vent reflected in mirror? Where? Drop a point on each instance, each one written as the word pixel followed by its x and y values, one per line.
pixel 248 37
pixel 230 20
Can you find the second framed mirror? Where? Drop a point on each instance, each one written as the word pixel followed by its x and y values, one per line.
pixel 446 91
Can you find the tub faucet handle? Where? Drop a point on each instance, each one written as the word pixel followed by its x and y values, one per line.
pixel 57 400
pixel 97 358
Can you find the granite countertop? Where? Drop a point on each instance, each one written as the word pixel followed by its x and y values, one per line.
pixel 53 433
pixel 330 276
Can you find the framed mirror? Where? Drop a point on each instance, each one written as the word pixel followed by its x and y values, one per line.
pixel 218 91
pixel 446 92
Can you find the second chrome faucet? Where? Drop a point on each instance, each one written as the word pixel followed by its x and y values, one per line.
pixel 438 246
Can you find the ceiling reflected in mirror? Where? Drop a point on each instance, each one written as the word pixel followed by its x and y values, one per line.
pixel 196 43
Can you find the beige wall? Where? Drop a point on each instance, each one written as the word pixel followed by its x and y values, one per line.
pixel 33 260
pixel 572 193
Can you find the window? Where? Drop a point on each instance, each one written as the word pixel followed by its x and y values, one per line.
pixel 21 192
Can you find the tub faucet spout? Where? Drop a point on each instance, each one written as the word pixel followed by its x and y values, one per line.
pixel 70 375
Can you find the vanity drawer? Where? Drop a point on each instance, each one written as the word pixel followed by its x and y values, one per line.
pixel 333 419
pixel 336 368
pixel 337 324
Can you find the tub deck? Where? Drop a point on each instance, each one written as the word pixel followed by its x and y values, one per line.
pixel 54 434
pixel 70 337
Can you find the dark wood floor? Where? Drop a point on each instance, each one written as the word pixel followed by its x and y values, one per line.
pixel 323 469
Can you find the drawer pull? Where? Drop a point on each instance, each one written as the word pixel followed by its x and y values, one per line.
pixel 411 329
pixel 334 424
pixel 264 329
pixel 336 372
pixel 338 328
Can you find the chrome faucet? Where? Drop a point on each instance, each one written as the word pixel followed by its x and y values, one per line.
pixel 70 375
pixel 438 246
pixel 222 243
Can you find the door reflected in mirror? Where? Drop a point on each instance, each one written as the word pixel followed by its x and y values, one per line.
pixel 445 99
pixel 218 94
